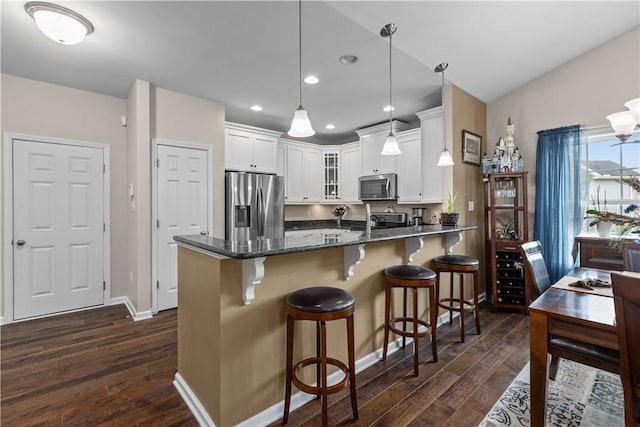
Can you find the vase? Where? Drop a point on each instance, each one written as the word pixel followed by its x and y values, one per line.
pixel 447 218
pixel 338 220
pixel 603 229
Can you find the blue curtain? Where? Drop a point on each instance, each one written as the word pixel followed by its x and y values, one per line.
pixel 557 214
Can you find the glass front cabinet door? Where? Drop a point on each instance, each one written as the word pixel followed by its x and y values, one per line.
pixel 331 188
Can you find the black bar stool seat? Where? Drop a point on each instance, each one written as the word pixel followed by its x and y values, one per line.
pixel 461 264
pixel 412 277
pixel 320 304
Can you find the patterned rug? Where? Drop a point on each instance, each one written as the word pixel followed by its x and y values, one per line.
pixel 579 396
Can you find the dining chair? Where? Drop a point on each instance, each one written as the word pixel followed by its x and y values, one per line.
pixel 631 255
pixel 626 294
pixel 538 281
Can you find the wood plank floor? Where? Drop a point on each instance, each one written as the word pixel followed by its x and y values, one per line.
pixel 99 367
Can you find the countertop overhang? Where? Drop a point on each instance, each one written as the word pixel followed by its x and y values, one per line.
pixel 333 238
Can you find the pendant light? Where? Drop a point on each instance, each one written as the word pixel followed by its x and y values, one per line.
pixel 60 24
pixel 300 125
pixel 390 147
pixel 626 122
pixel 445 157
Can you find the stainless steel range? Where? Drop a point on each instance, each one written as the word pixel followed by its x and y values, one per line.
pixel 388 219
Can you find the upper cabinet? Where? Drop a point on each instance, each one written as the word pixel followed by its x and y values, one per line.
pixel 250 149
pixel 350 171
pixel 371 142
pixel 410 186
pixel 431 125
pixel 331 164
pixel 303 173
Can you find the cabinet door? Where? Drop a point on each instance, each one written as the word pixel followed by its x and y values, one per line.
pixel 265 156
pixel 294 181
pixel 331 165
pixel 281 160
pixel 350 171
pixel 410 168
pixel 431 147
pixel 238 150
pixel 370 155
pixel 312 176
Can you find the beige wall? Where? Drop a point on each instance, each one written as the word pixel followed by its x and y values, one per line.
pixel 43 109
pixel 469 114
pixel 583 91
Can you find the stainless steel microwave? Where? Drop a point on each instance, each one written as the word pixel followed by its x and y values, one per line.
pixel 378 187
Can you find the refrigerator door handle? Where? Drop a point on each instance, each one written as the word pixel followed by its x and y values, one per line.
pixel 261 209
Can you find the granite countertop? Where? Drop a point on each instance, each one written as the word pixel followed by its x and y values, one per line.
pixel 311 239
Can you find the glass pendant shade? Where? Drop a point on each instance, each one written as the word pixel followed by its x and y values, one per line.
pixel 445 158
pixel 60 24
pixel 391 147
pixel 622 123
pixel 634 107
pixel 301 125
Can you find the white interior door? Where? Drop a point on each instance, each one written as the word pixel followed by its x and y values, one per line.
pixel 58 214
pixel 182 209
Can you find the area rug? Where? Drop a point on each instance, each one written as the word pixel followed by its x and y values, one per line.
pixel 579 396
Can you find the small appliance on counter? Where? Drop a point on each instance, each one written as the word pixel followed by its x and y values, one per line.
pixel 417 216
pixel 388 220
pixel 254 206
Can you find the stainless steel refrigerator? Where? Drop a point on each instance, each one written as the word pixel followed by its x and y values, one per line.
pixel 254 206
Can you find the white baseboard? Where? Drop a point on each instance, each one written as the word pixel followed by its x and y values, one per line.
pixel 274 413
pixel 196 408
pixel 135 315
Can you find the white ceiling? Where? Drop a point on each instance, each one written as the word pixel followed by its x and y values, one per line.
pixel 243 53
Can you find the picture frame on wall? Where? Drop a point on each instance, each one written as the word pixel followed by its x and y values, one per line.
pixel 471 148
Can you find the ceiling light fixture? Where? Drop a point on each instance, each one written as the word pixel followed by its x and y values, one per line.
pixel 256 108
pixel 390 147
pixel 311 80
pixel 300 125
pixel 445 157
pixel 60 24
pixel 388 108
pixel 625 123
pixel 330 126
pixel 348 59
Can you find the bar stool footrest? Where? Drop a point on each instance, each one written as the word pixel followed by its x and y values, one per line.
pixel 409 320
pixel 315 390
pixel 447 304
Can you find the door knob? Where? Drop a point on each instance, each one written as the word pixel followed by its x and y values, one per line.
pixel 20 243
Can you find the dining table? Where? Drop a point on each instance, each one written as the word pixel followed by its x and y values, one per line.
pixel 580 314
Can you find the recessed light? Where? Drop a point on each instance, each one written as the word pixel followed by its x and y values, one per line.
pixel 389 108
pixel 311 80
pixel 330 126
pixel 348 59
pixel 256 108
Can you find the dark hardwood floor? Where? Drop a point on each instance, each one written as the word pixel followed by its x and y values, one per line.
pixel 99 367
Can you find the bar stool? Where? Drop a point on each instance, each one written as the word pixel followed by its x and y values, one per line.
pixel 458 264
pixel 320 304
pixel 412 277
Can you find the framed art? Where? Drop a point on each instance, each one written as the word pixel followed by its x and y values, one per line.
pixel 471 148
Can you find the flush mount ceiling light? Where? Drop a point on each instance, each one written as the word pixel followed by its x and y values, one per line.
pixel 300 125
pixel 311 80
pixel 60 24
pixel 390 147
pixel 625 123
pixel 445 157
pixel 348 59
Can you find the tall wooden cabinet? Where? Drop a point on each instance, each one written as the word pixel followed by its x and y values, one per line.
pixel 507 227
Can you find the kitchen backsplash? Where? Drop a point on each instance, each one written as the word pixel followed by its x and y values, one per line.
pixel 357 212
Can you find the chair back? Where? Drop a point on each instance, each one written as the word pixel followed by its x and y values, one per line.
pixel 535 268
pixel 631 254
pixel 626 293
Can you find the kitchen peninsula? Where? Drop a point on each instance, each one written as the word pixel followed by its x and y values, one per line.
pixel 231 311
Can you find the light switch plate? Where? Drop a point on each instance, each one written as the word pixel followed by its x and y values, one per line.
pixel 471 206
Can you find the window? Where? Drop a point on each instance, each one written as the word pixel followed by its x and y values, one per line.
pixel 603 162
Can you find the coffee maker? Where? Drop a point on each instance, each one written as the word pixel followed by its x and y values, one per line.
pixel 417 216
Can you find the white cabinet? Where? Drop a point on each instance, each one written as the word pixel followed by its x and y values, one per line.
pixel 281 160
pixel 371 142
pixel 431 125
pixel 410 183
pixel 250 149
pixel 331 165
pixel 303 176
pixel 350 171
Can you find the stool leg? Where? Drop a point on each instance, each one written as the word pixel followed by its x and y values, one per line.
pixel 323 362
pixel 352 365
pixel 461 307
pixel 415 331
pixel 451 296
pixel 289 370
pixel 318 356
pixel 404 315
pixel 387 308
pixel 476 312
pixel 433 315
